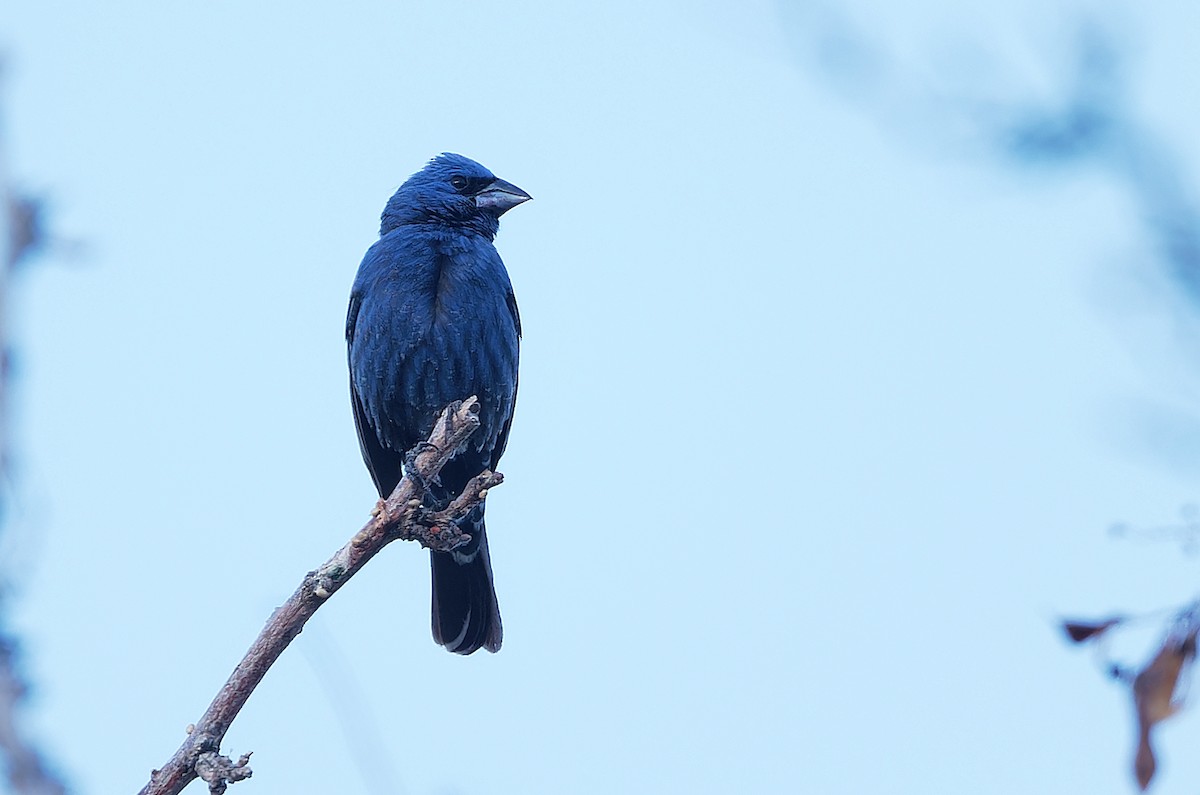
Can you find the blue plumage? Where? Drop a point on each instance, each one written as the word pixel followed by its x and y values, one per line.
pixel 432 320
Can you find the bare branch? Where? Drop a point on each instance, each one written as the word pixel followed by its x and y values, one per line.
pixel 399 517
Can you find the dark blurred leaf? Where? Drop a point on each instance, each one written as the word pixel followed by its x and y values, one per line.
pixel 1079 631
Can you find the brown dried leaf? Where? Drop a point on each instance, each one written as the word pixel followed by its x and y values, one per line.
pixel 1143 762
pixel 1154 697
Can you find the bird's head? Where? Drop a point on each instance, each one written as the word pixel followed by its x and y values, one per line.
pixel 452 190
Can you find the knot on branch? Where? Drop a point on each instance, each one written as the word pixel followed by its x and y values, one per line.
pixel 221 771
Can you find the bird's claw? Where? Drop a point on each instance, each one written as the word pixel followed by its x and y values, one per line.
pixel 410 466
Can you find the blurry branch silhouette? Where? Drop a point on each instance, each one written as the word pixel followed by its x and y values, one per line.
pixel 399 517
pixel 1092 125
pixel 25 767
pixel 1087 124
pixel 1185 532
pixel 354 710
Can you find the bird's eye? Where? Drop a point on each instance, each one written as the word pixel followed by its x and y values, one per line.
pixel 459 182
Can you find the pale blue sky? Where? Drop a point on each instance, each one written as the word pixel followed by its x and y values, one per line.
pixel 698 597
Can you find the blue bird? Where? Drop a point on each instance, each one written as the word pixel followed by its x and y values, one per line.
pixel 432 320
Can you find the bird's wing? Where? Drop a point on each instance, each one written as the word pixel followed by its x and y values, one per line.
pixel 511 299
pixel 383 464
pixel 502 436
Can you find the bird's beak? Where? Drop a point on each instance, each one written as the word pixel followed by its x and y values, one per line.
pixel 500 197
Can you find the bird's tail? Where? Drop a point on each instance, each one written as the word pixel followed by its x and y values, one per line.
pixel 466 615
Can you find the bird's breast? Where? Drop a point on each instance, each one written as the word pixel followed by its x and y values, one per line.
pixel 456 338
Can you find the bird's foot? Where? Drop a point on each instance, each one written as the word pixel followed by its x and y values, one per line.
pixel 435 530
pixel 410 467
pixel 439 532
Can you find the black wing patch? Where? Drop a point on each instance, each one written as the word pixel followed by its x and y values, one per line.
pixel 383 464
pixel 502 436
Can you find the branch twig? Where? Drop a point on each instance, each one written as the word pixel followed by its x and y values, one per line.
pixel 399 517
